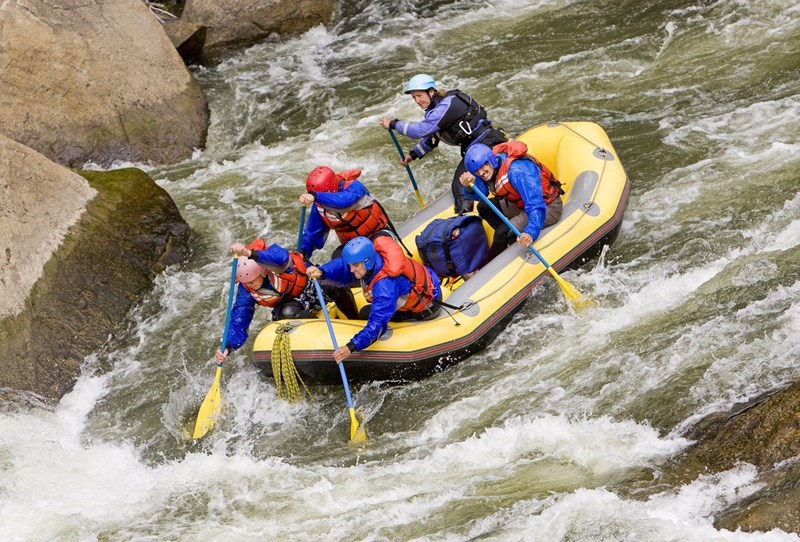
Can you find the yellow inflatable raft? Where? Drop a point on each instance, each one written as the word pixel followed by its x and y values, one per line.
pixel 596 193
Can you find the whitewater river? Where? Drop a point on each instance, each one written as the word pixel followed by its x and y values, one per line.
pixel 562 428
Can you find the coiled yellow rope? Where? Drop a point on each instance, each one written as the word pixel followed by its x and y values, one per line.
pixel 283 368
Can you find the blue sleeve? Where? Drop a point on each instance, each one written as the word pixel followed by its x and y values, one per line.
pixel 385 293
pixel 343 198
pixel 314 234
pixel 241 316
pixel 478 184
pixel 425 129
pixel 337 273
pixel 429 125
pixel 524 177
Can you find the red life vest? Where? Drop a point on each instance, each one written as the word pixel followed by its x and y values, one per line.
pixel 551 188
pixel 363 218
pixel 396 263
pixel 293 280
pixel 284 284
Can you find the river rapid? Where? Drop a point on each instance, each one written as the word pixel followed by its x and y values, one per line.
pixel 559 430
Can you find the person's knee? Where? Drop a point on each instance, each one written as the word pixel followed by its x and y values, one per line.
pixel 554 211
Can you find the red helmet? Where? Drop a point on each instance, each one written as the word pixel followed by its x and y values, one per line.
pixel 322 179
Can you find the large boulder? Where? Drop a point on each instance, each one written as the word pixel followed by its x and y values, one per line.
pixel 79 252
pixel 765 433
pixel 242 21
pixel 96 80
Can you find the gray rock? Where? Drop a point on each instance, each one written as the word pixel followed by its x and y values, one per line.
pixel 77 255
pixel 95 80
pixel 241 21
pixel 765 433
pixel 188 38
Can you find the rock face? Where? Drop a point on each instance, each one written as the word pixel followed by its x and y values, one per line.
pixel 78 253
pixel 764 433
pixel 93 80
pixel 237 21
pixel 188 38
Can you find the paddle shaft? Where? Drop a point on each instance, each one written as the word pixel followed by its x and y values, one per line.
pixel 230 305
pixel 408 169
pixel 508 223
pixel 302 223
pixel 205 416
pixel 335 345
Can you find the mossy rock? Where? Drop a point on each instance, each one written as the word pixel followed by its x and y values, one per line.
pixel 130 232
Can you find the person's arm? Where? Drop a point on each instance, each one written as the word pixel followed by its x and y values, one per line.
pixel 314 234
pixel 524 177
pixel 384 305
pixel 425 129
pixel 342 199
pixel 241 316
pixel 428 126
pixel 273 253
pixel 477 184
pixel 336 272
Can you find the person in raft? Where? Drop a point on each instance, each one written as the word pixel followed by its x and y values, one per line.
pixel 398 288
pixel 343 205
pixel 526 192
pixel 271 276
pixel 452 117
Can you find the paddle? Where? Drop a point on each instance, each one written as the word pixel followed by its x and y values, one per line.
pixel 302 223
pixel 408 169
pixel 356 435
pixel 208 410
pixel 570 292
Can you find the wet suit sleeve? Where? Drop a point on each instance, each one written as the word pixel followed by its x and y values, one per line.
pixel 425 129
pixel 314 234
pixel 241 316
pixel 336 272
pixel 478 184
pixel 524 177
pixel 342 199
pixel 385 293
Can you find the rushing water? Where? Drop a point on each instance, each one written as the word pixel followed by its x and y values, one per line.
pixel 560 429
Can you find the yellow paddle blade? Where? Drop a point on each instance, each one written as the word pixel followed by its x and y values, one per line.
pixel 357 434
pixel 207 414
pixel 578 301
pixel 419 199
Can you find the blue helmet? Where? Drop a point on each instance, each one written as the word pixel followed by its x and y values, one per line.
pixel 421 81
pixel 477 155
pixel 359 250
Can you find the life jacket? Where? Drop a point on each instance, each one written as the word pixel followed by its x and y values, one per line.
pixel 551 187
pixel 264 296
pixel 292 281
pixel 396 263
pixel 462 125
pixel 287 283
pixel 363 218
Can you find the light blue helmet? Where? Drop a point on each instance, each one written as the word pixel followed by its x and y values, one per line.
pixel 359 250
pixel 421 81
pixel 477 155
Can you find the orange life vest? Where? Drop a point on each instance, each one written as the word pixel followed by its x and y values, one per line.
pixel 551 187
pixel 289 283
pixel 264 296
pixel 363 218
pixel 396 263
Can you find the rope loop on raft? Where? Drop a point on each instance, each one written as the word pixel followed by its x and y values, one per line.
pixel 283 368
